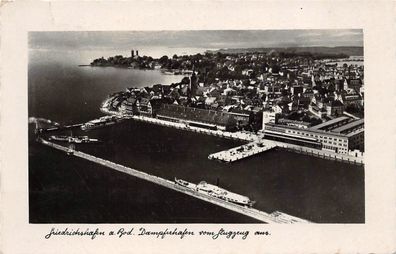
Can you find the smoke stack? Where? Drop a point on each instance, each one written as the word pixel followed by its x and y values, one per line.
pixel 132 53
pixel 137 52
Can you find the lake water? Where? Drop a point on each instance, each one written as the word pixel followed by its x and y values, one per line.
pixel 64 189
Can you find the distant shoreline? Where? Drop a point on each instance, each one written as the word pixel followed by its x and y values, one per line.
pixel 348 50
pixel 176 72
pixel 339 53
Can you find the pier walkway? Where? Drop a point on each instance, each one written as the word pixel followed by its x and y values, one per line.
pixel 256 138
pixel 56 128
pixel 239 135
pixel 243 151
pixel 275 217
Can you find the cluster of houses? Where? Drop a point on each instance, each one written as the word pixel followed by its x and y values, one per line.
pixel 250 90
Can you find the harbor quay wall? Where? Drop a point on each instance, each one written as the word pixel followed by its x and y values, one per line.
pixel 252 137
pixel 241 136
pixel 322 154
pixel 248 211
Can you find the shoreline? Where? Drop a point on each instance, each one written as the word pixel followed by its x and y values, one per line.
pixel 246 137
pixel 178 72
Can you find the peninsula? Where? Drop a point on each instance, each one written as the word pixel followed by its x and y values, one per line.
pixel 300 98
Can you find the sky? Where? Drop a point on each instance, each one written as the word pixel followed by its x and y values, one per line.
pixel 208 39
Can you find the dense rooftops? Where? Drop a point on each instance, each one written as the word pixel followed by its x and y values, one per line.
pixel 197 115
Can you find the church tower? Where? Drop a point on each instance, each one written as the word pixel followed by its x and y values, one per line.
pixel 193 83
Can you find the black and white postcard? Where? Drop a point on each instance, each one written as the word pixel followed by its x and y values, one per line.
pixel 188 125
pixel 194 127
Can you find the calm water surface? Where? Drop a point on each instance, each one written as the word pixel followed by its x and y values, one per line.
pixel 64 189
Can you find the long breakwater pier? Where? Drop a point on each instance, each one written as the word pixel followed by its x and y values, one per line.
pixel 275 217
pixel 57 128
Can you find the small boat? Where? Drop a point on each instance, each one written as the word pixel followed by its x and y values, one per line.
pixel 186 184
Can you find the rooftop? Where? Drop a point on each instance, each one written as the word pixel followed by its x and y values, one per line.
pixel 197 115
pixel 355 132
pixel 321 132
pixel 329 123
pixel 348 126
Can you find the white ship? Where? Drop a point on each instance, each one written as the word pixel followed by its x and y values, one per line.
pixel 216 191
pixel 101 122
pixel 76 139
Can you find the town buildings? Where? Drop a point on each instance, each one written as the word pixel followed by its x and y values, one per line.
pixel 339 135
pixel 300 98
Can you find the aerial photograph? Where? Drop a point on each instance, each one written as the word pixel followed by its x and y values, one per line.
pixel 196 126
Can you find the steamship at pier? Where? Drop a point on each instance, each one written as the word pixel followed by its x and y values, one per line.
pixel 215 191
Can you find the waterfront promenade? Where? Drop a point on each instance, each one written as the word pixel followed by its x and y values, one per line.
pixel 255 138
pixel 242 136
pixel 328 155
pixel 275 217
pixel 239 135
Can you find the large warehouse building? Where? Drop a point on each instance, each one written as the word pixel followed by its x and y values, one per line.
pixel 339 135
pixel 202 117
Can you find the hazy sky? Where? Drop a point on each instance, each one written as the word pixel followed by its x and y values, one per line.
pixel 195 39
